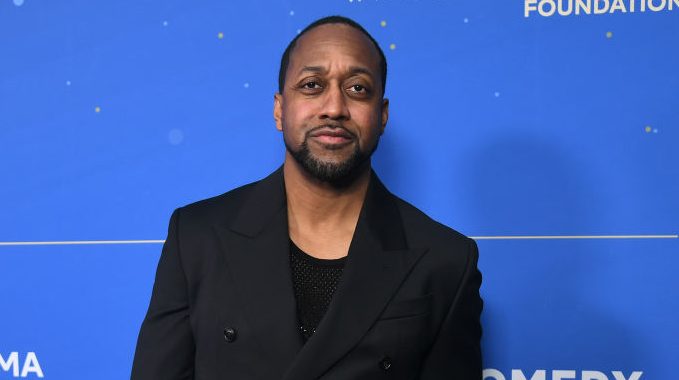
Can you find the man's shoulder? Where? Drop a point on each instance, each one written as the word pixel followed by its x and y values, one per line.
pixel 219 208
pixel 448 250
pixel 421 228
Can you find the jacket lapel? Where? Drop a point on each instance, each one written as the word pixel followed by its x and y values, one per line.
pixel 256 248
pixel 379 260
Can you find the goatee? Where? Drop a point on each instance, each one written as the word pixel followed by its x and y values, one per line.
pixel 337 174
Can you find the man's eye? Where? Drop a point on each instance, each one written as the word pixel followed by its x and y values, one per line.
pixel 358 89
pixel 311 85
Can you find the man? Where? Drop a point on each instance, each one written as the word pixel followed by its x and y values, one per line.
pixel 316 271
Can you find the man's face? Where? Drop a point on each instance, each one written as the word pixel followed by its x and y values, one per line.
pixel 331 111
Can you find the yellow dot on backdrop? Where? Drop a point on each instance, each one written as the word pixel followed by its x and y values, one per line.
pixel 609 34
pixel 392 46
pixel 648 129
pixel 383 23
pixel 97 109
pixel 220 35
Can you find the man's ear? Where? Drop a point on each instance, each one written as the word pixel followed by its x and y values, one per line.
pixel 385 114
pixel 278 110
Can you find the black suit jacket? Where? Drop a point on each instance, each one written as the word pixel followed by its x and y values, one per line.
pixel 407 305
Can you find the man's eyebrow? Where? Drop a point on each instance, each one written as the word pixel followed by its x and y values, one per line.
pixel 352 70
pixel 313 69
pixel 361 70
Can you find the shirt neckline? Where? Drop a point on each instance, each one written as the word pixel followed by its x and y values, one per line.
pixel 315 260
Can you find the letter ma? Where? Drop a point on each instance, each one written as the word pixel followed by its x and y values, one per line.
pixel 30 365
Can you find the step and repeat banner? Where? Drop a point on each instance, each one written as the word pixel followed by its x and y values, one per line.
pixel 545 129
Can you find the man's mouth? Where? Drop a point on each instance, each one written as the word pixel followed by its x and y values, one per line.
pixel 331 135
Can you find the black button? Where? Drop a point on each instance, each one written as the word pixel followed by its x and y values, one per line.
pixel 230 334
pixel 385 363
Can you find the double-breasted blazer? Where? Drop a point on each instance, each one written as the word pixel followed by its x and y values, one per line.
pixel 407 305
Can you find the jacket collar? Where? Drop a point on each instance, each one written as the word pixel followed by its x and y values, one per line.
pixel 379 213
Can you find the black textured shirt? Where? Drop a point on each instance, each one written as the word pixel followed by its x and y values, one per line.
pixel 314 281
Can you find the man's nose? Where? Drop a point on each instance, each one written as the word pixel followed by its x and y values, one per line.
pixel 335 104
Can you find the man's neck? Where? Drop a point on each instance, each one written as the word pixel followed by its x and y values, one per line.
pixel 322 217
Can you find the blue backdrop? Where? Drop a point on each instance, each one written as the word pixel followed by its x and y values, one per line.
pixel 549 136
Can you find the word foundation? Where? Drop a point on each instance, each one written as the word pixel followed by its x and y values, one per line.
pixel 548 8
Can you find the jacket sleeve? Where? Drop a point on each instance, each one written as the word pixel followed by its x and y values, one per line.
pixel 165 347
pixel 456 352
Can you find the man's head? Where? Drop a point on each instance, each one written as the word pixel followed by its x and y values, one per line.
pixel 285 59
pixel 330 105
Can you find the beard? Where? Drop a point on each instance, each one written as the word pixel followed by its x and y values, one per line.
pixel 338 174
